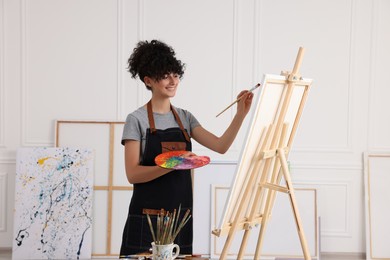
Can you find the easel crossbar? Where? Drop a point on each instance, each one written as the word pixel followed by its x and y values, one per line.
pixel 275 187
pixel 272 153
pixel 243 225
pixel 303 82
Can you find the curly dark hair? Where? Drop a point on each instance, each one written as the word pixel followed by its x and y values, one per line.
pixel 154 59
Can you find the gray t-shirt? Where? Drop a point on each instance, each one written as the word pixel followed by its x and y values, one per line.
pixel 137 123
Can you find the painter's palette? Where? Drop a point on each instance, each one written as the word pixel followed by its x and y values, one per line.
pixel 177 160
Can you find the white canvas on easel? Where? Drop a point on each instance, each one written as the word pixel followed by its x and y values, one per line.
pixel 263 161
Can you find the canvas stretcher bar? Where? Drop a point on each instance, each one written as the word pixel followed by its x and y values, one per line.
pixel 67 132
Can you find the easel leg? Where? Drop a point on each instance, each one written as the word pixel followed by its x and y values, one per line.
pixel 265 219
pixel 243 244
pixel 287 178
pixel 275 179
pixel 261 237
pixel 226 246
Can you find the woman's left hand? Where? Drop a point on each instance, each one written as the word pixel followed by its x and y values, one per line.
pixel 188 154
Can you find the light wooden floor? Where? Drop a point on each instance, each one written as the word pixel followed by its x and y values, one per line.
pixel 5 254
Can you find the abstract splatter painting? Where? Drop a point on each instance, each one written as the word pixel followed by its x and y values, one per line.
pixel 53 203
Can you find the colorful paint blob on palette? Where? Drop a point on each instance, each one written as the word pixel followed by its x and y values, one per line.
pixel 177 160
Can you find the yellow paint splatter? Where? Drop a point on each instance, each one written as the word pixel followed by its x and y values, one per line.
pixel 42 160
pixel 26 179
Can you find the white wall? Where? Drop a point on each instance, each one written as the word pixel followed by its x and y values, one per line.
pixel 67 60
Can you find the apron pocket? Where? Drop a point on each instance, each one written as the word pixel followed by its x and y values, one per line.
pixel 138 236
pixel 173 146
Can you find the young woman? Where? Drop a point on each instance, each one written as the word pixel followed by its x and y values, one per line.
pixel 158 127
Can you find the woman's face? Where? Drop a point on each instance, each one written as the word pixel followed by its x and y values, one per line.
pixel 166 87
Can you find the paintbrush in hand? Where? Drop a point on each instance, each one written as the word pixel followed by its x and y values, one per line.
pixel 238 99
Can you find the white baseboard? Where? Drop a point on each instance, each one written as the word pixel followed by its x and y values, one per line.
pixel 342 256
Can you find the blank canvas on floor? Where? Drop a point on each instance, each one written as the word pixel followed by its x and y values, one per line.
pixel 377 195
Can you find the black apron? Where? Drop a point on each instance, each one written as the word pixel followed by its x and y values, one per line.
pixel 167 192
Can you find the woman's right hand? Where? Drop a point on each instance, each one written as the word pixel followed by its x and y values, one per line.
pixel 245 102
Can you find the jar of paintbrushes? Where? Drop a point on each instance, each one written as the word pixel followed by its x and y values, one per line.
pixel 168 226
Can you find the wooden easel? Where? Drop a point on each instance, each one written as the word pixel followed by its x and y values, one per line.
pixel 268 166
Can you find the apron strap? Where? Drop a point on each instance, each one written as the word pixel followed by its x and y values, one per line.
pixel 153 126
pixel 150 117
pixel 180 124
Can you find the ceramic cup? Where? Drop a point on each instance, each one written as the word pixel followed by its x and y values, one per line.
pixel 165 252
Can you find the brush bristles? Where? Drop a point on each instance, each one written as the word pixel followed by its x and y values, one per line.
pixel 168 226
